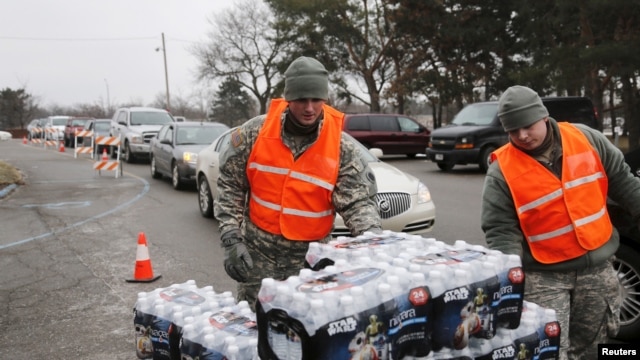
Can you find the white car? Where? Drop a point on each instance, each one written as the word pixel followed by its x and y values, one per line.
pixel 53 127
pixel 404 202
pixel 5 135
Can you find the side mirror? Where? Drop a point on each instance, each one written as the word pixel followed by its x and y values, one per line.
pixel 377 152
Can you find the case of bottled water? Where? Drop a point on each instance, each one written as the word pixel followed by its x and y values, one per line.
pixel 161 316
pixel 376 296
pixel 342 312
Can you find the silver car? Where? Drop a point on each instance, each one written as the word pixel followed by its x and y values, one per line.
pixel 404 202
pixel 174 151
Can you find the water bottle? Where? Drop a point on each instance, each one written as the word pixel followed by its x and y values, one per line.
pixel 142 320
pixel 511 278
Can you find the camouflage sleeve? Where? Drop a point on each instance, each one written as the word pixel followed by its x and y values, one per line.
pixel 354 191
pixel 233 185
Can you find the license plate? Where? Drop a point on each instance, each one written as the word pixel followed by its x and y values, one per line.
pixel 439 157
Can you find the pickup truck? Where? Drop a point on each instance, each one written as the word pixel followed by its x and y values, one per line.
pixel 136 126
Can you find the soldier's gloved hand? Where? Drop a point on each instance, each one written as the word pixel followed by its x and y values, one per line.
pixel 237 261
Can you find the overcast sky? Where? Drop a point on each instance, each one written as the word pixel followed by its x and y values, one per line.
pixel 87 51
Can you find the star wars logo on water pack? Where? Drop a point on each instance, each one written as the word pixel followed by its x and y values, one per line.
pixel 342 326
pixel 461 293
pixel 505 352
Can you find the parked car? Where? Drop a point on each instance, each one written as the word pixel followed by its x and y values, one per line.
pixel 74 124
pixel 99 127
pixel 475 132
pixel 404 202
pixel 174 151
pixel 136 126
pixel 5 135
pixel 394 134
pixel 54 126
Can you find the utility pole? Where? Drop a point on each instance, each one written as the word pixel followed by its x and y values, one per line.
pixel 166 73
pixel 108 100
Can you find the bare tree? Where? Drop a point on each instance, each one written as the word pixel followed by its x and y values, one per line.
pixel 243 45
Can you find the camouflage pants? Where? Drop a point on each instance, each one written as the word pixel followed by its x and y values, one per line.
pixel 587 304
pixel 276 258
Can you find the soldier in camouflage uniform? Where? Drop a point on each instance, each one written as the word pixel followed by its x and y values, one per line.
pixel 253 228
pixel 544 199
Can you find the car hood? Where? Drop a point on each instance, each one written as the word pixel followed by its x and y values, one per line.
pixel 145 128
pixel 193 148
pixel 456 130
pixel 391 179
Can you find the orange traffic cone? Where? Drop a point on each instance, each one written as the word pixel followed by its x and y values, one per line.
pixel 61 149
pixel 105 157
pixel 143 271
pixel 24 139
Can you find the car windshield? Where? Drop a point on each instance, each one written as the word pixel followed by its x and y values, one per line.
pixel 102 126
pixel 150 118
pixel 199 135
pixel 476 114
pixel 59 122
pixel 78 122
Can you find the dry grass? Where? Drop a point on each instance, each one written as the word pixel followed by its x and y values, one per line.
pixel 9 175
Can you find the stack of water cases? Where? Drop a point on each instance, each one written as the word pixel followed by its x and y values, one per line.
pixel 399 296
pixel 183 321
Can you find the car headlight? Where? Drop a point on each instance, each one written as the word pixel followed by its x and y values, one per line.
pixel 190 157
pixel 464 143
pixel 424 196
pixel 136 139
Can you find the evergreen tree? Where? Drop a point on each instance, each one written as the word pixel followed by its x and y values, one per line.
pixel 232 105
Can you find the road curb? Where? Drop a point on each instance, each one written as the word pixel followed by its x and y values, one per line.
pixel 6 191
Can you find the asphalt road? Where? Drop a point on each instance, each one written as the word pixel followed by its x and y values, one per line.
pixel 68 241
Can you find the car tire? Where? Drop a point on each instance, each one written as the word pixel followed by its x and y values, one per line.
pixel 128 155
pixel 154 169
pixel 445 166
pixel 627 266
pixel 205 199
pixel 485 157
pixel 176 181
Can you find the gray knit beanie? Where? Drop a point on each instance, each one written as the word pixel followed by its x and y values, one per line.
pixel 520 106
pixel 306 78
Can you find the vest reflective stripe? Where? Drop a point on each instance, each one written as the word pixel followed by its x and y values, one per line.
pixel 271 169
pixel 309 179
pixel 290 211
pixel 266 204
pixel 561 218
pixel 293 197
pixel 534 204
pixel 584 180
pixel 307 213
pixel 569 228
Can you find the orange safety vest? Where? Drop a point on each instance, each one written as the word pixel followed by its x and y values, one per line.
pixel 561 219
pixel 293 197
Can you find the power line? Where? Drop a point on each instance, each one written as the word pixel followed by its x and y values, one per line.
pixel 75 39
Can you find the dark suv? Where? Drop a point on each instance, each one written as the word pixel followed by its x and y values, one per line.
pixel 475 132
pixel 394 134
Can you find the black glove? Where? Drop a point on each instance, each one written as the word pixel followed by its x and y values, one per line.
pixel 237 261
